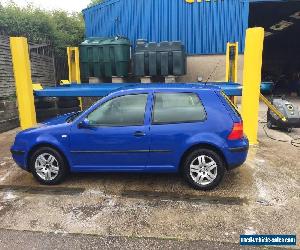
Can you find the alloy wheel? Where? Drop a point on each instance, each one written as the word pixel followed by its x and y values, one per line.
pixel 203 170
pixel 46 166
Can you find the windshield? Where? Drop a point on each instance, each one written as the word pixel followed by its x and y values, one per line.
pixel 73 117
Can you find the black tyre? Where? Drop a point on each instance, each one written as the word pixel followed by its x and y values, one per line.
pixel 48 166
pixel 203 169
pixel 68 102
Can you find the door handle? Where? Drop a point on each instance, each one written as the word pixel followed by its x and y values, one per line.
pixel 139 134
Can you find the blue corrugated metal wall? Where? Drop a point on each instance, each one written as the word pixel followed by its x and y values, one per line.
pixel 203 27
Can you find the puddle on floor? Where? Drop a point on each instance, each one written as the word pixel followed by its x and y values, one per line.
pixel 144 195
pixel 42 190
pixel 183 197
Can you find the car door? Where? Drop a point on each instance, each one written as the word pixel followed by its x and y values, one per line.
pixel 117 138
pixel 176 117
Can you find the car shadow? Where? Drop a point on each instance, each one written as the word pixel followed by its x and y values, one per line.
pixel 234 185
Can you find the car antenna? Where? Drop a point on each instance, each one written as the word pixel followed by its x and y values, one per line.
pixel 214 70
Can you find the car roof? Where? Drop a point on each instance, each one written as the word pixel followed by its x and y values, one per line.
pixel 171 86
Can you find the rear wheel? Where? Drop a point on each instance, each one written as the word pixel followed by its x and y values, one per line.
pixel 204 169
pixel 48 166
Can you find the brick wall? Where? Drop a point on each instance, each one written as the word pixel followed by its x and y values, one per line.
pixel 42 71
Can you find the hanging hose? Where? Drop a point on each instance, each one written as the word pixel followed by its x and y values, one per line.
pixel 295 142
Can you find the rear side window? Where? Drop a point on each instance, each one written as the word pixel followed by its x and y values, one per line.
pixel 231 104
pixel 177 108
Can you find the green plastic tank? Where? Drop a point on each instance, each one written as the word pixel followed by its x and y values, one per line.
pixel 90 60
pixel 104 57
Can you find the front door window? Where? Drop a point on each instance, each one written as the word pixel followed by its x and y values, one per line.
pixel 126 110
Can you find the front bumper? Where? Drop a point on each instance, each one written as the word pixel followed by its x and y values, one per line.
pixel 19 157
pixel 17 152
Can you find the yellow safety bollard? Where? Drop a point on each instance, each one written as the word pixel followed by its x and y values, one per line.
pixel 24 89
pixel 252 82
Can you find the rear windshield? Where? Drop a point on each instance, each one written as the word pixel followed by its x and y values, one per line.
pixel 231 104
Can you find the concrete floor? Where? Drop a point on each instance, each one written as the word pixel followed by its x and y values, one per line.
pixel 132 210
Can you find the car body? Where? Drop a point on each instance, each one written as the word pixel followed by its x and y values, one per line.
pixel 127 140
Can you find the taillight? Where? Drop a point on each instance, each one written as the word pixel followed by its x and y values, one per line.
pixel 237 132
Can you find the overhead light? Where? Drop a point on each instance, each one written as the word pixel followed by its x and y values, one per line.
pixel 296 15
pixel 267 33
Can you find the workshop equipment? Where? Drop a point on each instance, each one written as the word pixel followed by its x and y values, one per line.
pixel 266 87
pixel 289 118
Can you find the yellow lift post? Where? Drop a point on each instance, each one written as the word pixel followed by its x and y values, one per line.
pixel 232 53
pixel 73 62
pixel 74 67
pixel 24 88
pixel 252 81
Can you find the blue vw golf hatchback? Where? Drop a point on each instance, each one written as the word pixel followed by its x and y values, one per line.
pixel 186 128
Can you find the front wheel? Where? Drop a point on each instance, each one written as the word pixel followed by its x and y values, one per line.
pixel 204 169
pixel 48 166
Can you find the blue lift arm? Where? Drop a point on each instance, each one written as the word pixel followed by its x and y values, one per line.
pixel 103 89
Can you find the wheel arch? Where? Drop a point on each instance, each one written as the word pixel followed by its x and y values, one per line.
pixel 202 146
pixel 49 145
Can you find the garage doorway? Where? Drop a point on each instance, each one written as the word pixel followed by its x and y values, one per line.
pixel 281 59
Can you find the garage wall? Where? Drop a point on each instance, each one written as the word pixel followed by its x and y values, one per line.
pixel 42 67
pixel 210 67
pixel 204 27
pixel 7 85
pixel 42 70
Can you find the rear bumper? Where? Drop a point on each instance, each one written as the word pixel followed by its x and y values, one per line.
pixel 239 149
pixel 237 154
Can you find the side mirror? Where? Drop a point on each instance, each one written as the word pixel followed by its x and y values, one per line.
pixel 84 124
